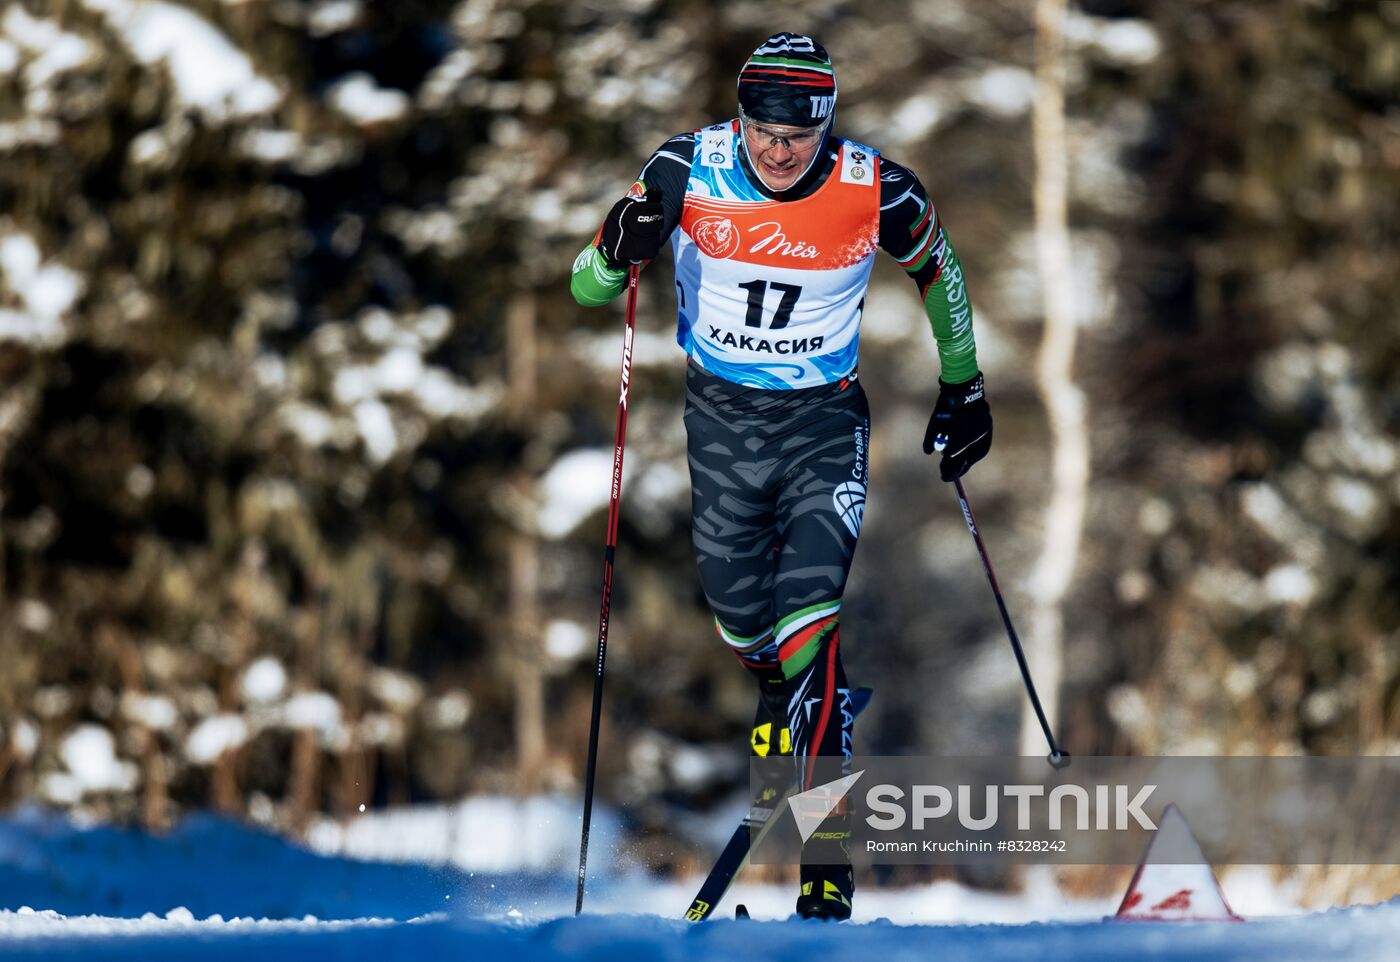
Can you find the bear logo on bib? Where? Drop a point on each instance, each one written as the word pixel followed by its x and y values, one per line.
pixel 716 236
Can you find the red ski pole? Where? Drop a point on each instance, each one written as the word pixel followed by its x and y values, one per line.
pixel 609 551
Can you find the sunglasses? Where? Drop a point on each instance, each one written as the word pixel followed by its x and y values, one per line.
pixel 803 138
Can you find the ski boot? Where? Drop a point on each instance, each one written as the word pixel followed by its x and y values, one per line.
pixel 827 891
pixel 771 737
pixel 828 884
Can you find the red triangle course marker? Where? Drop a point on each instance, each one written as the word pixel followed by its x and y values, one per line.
pixel 1173 881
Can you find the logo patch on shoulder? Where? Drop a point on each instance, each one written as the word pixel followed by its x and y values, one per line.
pixel 717 147
pixel 857 164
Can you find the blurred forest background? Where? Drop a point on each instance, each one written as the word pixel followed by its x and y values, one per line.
pixel 304 446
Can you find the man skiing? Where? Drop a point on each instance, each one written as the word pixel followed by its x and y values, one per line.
pixel 779 220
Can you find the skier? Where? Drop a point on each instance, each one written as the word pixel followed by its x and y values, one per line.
pixel 779 220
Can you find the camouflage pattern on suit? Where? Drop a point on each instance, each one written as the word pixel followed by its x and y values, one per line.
pixel 778 482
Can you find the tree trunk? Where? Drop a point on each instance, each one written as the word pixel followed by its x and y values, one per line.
pixel 303 780
pixel 1063 400
pixel 155 797
pixel 17 406
pixel 356 770
pixel 523 614
pixel 226 778
pixel 306 778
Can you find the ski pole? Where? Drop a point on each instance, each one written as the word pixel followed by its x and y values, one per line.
pixel 1057 757
pixel 609 551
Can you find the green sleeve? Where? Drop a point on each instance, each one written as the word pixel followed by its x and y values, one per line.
pixel 950 315
pixel 594 283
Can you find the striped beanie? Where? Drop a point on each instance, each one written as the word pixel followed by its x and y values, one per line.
pixel 788 80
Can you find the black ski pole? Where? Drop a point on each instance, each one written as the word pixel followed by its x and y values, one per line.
pixel 1057 757
pixel 609 551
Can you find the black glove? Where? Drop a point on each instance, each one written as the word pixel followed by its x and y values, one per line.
pixel 961 427
pixel 632 230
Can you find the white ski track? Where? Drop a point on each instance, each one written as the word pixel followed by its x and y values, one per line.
pixel 215 890
pixel 1353 935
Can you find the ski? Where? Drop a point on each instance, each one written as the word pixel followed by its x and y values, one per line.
pixel 735 856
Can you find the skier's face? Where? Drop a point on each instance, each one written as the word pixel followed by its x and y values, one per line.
pixel 781 154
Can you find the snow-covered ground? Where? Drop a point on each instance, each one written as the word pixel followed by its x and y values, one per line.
pixel 212 889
